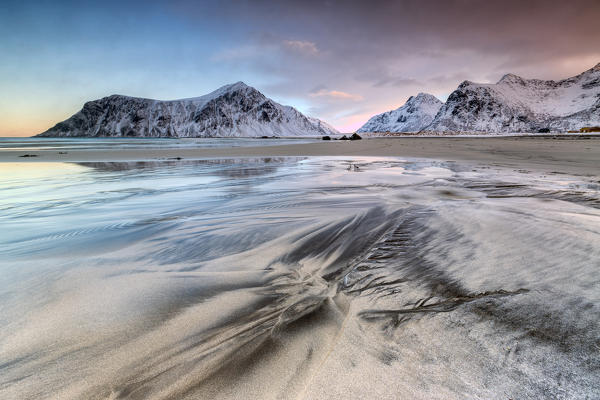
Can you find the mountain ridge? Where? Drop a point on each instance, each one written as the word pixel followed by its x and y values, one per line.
pixel 417 113
pixel 513 104
pixel 234 110
pixel 516 104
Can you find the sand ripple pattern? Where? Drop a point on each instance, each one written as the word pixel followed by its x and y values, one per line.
pixel 305 278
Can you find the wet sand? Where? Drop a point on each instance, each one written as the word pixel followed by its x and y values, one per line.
pixel 458 268
pixel 576 154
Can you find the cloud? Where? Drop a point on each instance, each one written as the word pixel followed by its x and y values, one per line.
pixel 302 46
pixel 396 81
pixel 386 50
pixel 452 79
pixel 266 44
pixel 381 76
pixel 335 95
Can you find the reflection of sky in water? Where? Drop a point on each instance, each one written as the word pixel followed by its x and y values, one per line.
pixel 58 144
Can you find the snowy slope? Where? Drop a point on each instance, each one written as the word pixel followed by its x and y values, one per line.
pixel 235 110
pixel 515 104
pixel 320 123
pixel 417 113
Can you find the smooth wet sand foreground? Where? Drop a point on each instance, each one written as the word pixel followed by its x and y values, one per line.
pixel 229 277
pixel 573 154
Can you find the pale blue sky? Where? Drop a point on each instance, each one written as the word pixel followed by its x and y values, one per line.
pixel 339 61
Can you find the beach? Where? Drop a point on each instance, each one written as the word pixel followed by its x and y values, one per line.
pixel 300 200
pixel 571 152
pixel 385 268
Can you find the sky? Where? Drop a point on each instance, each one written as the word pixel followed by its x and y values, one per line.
pixel 341 61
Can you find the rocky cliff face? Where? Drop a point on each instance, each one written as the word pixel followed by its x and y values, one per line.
pixel 236 110
pixel 515 104
pixel 416 114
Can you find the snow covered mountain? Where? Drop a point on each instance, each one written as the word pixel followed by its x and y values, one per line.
pixel 416 114
pixel 515 104
pixel 235 110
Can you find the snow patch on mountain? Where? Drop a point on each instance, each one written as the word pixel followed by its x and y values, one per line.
pixel 515 104
pixel 416 114
pixel 235 110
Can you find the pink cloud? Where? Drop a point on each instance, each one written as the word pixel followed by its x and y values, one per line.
pixel 336 94
pixel 302 46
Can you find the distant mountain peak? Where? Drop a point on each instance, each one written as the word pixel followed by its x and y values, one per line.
pixel 414 115
pixel 511 78
pixel 234 110
pixel 515 104
pixel 465 83
pixel 236 86
pixel 421 96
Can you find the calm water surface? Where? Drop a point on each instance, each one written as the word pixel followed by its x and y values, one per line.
pixel 32 144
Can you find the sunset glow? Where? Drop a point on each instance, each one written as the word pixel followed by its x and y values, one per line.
pixel 57 56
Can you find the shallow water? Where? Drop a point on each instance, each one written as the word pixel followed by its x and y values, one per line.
pixel 297 278
pixel 82 143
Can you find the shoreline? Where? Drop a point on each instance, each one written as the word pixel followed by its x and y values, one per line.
pixel 572 154
pixel 304 278
pixel 556 150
